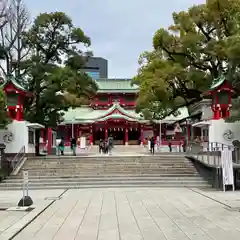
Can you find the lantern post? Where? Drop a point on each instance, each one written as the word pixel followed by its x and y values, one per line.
pixel 221 93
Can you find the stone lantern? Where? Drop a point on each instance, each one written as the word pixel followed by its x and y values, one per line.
pixel 221 93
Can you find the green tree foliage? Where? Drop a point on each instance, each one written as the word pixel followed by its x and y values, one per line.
pixel 52 72
pixel 202 43
pixel 4 119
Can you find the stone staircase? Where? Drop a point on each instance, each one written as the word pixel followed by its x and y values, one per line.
pixel 169 170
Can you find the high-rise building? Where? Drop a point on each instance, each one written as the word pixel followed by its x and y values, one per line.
pixel 96 67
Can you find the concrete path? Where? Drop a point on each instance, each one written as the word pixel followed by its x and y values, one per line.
pixel 12 221
pixel 134 214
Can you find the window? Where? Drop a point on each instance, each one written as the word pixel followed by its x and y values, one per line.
pixel 31 136
pixel 12 99
pixel 94 75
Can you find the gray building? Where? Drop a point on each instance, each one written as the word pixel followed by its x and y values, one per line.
pixel 96 67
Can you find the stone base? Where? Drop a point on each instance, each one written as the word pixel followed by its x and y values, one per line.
pixel 25 201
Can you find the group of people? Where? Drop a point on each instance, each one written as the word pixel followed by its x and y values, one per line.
pixel 106 146
pixel 73 144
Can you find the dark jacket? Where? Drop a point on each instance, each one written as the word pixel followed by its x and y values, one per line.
pixel 73 142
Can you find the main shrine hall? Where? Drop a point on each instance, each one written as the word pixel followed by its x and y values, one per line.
pixel 112 112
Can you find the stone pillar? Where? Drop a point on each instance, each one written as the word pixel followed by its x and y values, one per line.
pixel 2 156
pixel 49 142
pixel 126 136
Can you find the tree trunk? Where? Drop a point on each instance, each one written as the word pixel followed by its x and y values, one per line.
pixel 37 142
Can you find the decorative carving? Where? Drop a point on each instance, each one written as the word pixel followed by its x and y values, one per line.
pixel 228 135
pixel 8 137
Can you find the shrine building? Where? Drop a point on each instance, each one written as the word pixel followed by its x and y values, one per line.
pixel 112 112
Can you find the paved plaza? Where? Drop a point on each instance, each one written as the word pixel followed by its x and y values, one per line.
pixel 126 214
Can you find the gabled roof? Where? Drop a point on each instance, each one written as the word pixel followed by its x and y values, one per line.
pixel 88 115
pixel 14 81
pixel 116 86
pixel 217 82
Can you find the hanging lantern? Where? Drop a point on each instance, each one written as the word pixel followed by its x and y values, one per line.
pixel 114 129
pixel 118 129
pixel 100 129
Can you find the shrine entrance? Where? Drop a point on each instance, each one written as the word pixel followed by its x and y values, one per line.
pixel 118 135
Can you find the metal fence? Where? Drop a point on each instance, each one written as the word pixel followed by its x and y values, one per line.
pixel 210 152
pixel 17 160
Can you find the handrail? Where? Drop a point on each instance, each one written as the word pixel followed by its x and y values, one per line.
pixel 19 157
pixel 210 152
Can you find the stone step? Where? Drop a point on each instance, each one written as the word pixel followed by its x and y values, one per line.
pixel 77 172
pixel 108 158
pixel 79 163
pixel 92 175
pixel 115 178
pixel 109 167
pixel 125 185
pixel 68 184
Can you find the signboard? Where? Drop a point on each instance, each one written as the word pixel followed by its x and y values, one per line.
pixel 177 128
pixel 25 177
pixel 82 142
pixel 227 168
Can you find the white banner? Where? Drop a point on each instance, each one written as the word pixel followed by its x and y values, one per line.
pixel 82 142
pixel 227 167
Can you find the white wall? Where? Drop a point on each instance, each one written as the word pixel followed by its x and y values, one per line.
pixel 20 136
pixel 219 127
pixel 19 131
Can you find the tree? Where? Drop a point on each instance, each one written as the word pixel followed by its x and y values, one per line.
pixel 4 119
pixel 202 44
pixel 54 69
pixel 12 48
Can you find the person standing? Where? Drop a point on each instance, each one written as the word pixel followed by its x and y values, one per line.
pixel 106 146
pixel 152 145
pixel 61 146
pixel 73 146
pixel 170 146
pixel 101 146
pixel 110 144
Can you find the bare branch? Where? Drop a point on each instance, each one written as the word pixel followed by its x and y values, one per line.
pixel 16 21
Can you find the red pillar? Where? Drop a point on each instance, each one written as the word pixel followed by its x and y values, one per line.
pixel 91 136
pixel 217 114
pixel 126 136
pixel 18 113
pixel 142 137
pixel 49 144
pixel 106 133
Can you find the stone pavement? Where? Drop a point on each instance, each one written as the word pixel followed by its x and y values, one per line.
pixel 13 221
pixel 138 213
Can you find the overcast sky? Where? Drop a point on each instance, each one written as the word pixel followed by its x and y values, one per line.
pixel 119 29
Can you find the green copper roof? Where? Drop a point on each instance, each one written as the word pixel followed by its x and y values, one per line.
pixel 217 82
pixel 117 116
pixel 116 85
pixel 88 115
pixel 14 81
